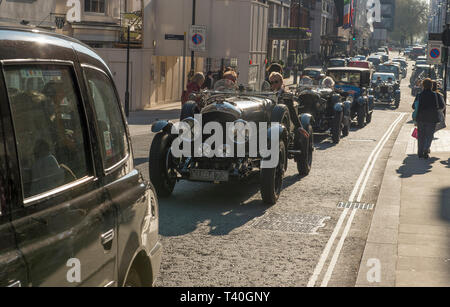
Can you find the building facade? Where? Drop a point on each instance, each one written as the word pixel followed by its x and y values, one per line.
pixel 437 16
pixel 279 17
pixel 236 36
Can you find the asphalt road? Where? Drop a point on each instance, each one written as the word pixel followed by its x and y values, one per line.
pixel 224 235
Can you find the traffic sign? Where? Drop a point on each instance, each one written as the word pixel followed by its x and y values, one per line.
pixel 434 54
pixel 197 38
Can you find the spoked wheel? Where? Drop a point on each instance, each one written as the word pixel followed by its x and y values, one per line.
pixel 346 128
pixel 161 169
pixel 368 114
pixel 305 159
pixel 272 178
pixel 361 116
pixel 336 127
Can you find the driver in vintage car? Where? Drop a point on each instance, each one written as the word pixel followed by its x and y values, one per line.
pixel 284 97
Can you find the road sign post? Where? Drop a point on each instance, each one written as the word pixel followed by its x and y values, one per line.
pixel 434 54
pixel 197 38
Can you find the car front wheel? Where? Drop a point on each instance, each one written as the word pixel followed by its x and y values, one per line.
pixel 305 159
pixel 272 178
pixel 162 174
pixel 336 127
pixel 361 116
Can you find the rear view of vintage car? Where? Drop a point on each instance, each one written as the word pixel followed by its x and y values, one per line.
pixel 354 83
pixel 262 115
pixel 329 111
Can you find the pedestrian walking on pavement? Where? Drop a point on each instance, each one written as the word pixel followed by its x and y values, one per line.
pixel 194 86
pixel 429 104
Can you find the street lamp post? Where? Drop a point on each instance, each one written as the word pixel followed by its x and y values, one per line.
pixel 299 13
pixel 194 4
pixel 127 91
pixel 446 55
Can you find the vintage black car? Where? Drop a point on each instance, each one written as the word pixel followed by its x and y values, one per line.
pixel 227 106
pixel 74 211
pixel 354 83
pixel 327 108
pixel 385 88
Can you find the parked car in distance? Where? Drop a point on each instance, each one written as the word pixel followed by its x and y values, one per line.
pixel 71 197
pixel 375 60
pixel 384 57
pixel 403 65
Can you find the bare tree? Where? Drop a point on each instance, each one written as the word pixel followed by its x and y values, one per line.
pixel 411 20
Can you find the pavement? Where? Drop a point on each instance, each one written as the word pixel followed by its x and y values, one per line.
pixel 409 237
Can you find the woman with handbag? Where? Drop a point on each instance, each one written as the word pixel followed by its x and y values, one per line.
pixel 429 115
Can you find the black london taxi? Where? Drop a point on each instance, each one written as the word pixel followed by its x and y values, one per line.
pixel 74 211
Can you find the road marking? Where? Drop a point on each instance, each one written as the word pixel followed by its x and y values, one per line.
pixel 348 226
pixel 324 256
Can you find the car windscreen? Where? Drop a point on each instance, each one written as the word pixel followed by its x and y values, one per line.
pixel 346 77
pixel 388 68
pixel 312 73
pixel 383 77
pixel 336 63
pixel 374 61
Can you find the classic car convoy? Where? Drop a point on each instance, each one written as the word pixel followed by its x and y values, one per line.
pixel 74 210
pixel 71 197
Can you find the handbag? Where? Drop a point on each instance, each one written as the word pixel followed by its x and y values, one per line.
pixel 415 133
pixel 441 124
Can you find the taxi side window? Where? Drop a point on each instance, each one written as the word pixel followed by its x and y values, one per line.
pixel 111 126
pixel 50 135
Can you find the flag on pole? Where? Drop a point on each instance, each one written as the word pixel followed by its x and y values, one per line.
pixel 348 13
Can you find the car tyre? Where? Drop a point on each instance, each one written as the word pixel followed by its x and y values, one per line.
pixel 305 160
pixel 158 168
pixel 361 116
pixel 272 178
pixel 336 127
pixel 133 279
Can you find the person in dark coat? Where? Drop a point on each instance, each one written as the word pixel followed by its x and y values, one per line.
pixel 427 117
pixel 209 81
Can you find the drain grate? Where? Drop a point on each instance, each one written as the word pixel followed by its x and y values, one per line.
pixel 355 205
pixel 299 223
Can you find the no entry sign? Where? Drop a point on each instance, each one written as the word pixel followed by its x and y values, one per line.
pixel 434 54
pixel 197 38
